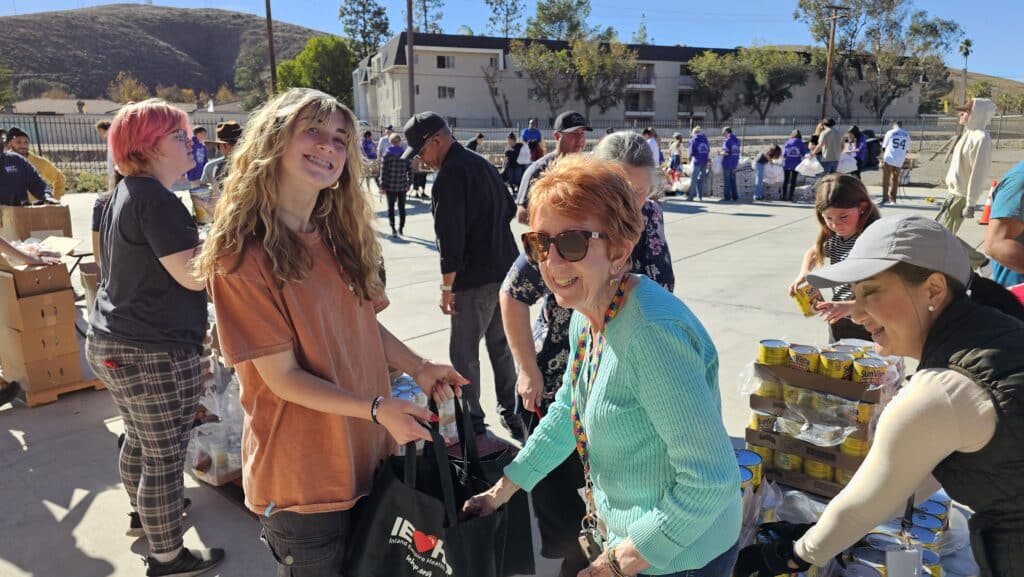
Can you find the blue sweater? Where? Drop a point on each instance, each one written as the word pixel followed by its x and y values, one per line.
pixel 663 467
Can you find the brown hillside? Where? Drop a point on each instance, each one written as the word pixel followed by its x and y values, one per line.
pixel 85 49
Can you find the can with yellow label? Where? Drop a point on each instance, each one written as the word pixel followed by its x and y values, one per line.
pixel 806 296
pixel 935 508
pixel 769 390
pixel 852 350
pixel 854 447
pixel 818 470
pixel 803 358
pixel 794 395
pixel 835 365
pixel 746 478
pixel 870 371
pixel 762 422
pixel 773 352
pixel 751 461
pixel 865 411
pixel 765 453
pixel 788 462
pixel 843 477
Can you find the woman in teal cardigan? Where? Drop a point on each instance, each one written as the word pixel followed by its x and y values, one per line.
pixel 640 401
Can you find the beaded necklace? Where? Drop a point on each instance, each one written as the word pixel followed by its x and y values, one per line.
pixel 590 521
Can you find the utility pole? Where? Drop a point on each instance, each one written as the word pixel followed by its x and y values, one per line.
pixel 828 61
pixel 270 51
pixel 410 57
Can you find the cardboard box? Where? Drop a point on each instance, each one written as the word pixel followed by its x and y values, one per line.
pixel 34 280
pixel 34 312
pixel 804 483
pixel 816 382
pixel 39 344
pixel 21 222
pixel 44 374
pixel 785 444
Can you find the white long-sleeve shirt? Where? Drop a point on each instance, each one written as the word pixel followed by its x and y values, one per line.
pixel 937 413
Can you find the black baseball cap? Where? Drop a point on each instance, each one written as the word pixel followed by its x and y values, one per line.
pixel 570 120
pixel 419 129
pixel 227 133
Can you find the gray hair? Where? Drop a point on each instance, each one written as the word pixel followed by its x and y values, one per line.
pixel 628 148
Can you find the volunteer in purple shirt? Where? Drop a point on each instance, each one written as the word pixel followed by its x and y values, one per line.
pixel 793 152
pixel 730 161
pixel 199 155
pixel 700 149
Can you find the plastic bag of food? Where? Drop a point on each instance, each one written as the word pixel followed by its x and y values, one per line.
pixel 810 167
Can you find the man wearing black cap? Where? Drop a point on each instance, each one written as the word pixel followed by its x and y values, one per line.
pixel 472 211
pixel 216 170
pixel 18 178
pixel 570 133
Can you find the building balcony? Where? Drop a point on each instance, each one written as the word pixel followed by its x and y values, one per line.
pixel 643 112
pixel 687 83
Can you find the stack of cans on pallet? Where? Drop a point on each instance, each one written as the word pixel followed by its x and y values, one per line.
pixel 814 410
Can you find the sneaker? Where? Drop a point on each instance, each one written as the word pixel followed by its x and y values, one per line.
pixel 515 426
pixel 188 563
pixel 969 212
pixel 884 202
pixel 9 393
pixel 135 523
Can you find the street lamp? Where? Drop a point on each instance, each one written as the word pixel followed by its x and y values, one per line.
pixel 270 51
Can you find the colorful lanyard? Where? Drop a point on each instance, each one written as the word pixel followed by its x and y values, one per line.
pixel 577 366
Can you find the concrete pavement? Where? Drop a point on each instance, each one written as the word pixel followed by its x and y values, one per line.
pixel 67 512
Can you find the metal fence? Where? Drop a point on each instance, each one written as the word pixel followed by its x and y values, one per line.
pixel 71 141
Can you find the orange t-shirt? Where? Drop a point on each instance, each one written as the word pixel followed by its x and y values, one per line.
pixel 295 458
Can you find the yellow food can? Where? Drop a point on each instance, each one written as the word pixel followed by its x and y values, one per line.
pixel 746 478
pixel 865 411
pixel 827 404
pixel 854 447
pixel 762 422
pixel 852 350
pixel 935 508
pixel 870 371
pixel 751 461
pixel 770 390
pixel 874 558
pixel 794 395
pixel 806 297
pixel 773 352
pixel 803 358
pixel 788 462
pixel 818 470
pixel 932 562
pixel 765 453
pixel 835 365
pixel 843 477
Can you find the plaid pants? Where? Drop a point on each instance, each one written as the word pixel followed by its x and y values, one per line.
pixel 157 395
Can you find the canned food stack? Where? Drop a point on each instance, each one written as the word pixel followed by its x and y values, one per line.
pixel 814 411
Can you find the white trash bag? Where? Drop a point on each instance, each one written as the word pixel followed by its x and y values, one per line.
pixel 773 173
pixel 810 167
pixel 847 163
pixel 716 165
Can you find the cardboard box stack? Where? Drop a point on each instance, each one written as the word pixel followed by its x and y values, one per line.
pixel 814 412
pixel 21 222
pixel 38 341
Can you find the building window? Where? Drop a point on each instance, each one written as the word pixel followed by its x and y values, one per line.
pixel 494 62
pixel 684 69
pixel 445 92
pixel 446 62
pixel 417 90
pixel 416 58
pixel 817 99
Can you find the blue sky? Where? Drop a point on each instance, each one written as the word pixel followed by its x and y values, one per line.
pixel 991 24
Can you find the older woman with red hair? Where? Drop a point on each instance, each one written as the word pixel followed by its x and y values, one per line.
pixel 640 401
pixel 148 324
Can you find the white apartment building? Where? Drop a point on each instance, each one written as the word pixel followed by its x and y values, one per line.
pixel 450 80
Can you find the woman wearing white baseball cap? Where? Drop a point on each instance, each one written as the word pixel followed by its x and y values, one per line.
pixel 960 418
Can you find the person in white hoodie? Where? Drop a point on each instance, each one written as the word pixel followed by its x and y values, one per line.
pixel 969 169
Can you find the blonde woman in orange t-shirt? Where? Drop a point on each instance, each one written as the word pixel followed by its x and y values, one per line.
pixel 292 264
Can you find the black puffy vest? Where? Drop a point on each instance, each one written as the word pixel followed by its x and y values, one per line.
pixel 987 346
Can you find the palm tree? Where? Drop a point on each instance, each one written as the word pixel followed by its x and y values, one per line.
pixel 965 51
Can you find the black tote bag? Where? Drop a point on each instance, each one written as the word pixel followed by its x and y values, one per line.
pixel 409 525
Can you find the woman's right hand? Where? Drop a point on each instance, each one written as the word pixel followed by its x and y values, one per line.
pixel 796 283
pixel 404 420
pixel 530 386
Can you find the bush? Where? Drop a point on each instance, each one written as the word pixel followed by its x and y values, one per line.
pixel 88 182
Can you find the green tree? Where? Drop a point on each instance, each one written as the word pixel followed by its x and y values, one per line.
pixel 845 60
pixel 930 39
pixel 717 77
pixel 326 64
pixel 505 17
pixel 426 15
pixel 559 20
pixel 551 72
pixel 36 87
pixel 602 71
pixel 126 88
pixel 224 95
pixel 770 74
pixel 965 49
pixel 980 89
pixel 640 35
pixel 252 76
pixel 6 86
pixel 1007 103
pixel 366 24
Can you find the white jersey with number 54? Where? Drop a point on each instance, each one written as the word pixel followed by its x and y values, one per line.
pixel 896 144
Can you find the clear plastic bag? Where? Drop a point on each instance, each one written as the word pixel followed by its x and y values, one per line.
pixel 810 167
pixel 847 163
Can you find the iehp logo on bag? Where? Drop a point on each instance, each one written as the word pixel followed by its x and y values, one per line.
pixel 424 549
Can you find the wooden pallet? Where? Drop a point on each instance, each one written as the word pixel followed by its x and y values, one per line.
pixel 47 396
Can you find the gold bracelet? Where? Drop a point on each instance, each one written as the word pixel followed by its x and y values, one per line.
pixel 613 564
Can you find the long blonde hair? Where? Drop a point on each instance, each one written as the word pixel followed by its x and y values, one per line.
pixel 247 210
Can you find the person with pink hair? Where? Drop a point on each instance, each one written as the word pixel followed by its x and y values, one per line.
pixel 147 326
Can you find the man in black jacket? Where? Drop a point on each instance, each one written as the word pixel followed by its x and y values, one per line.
pixel 472 211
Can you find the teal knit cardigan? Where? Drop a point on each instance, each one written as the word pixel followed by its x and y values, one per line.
pixel 663 467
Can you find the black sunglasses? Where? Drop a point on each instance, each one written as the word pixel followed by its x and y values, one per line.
pixel 571 244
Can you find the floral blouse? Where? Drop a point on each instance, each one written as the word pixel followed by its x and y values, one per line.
pixel 551 329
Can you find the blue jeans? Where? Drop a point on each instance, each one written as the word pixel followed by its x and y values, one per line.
pixel 729 184
pixel 720 566
pixel 830 166
pixel 758 180
pixel 698 179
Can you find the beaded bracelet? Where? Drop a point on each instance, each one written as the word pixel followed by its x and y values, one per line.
pixel 374 407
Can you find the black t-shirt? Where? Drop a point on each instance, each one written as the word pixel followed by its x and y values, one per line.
pixel 138 302
pixel 17 179
pixel 102 200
